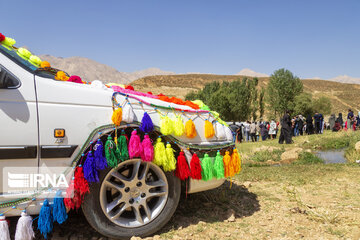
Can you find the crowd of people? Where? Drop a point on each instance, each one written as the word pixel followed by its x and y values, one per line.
pixel 293 126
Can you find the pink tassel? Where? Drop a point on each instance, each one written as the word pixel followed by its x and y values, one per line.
pixel 148 149
pixel 135 149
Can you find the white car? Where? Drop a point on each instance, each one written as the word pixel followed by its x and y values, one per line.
pixel 33 105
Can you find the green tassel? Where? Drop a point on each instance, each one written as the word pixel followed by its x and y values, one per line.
pixel 112 153
pixel 124 153
pixel 219 166
pixel 207 168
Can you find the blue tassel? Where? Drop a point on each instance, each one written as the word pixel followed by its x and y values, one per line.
pixel 45 221
pixel 146 123
pixel 100 159
pixel 59 211
pixel 90 172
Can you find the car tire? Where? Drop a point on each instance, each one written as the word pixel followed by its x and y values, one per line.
pixel 95 204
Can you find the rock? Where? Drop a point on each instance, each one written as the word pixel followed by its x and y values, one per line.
pixel 357 146
pixel 156 237
pixel 308 150
pixel 135 238
pixel 230 215
pixel 289 157
pixel 247 184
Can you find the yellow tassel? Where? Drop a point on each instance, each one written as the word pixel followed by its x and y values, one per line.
pixel 166 126
pixel 235 160
pixel 170 164
pixel 228 167
pixel 179 128
pixel 209 129
pixel 117 116
pixel 190 129
pixel 159 153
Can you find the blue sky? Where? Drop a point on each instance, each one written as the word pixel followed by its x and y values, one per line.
pixel 311 38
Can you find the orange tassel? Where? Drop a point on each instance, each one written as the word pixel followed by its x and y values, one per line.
pixel 228 167
pixel 209 129
pixel 117 116
pixel 190 129
pixel 235 160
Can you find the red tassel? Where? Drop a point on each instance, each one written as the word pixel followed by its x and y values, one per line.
pixel 182 168
pixel 195 167
pixel 81 185
pixel 68 200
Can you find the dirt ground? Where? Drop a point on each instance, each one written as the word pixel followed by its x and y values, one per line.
pixel 288 202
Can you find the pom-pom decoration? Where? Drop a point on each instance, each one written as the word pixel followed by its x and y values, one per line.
pixel 81 186
pixel 24 229
pixel 24 53
pixel 146 123
pixel 220 131
pixel 129 87
pixel 45 221
pixel 45 64
pixel 229 134
pixel 123 148
pixel 116 117
pixel 69 199
pixel 60 75
pixel 128 113
pixel 166 125
pixel 135 148
pixel 235 160
pixel 35 60
pixel 59 210
pixel 209 129
pixel 159 153
pixel 170 163
pixel 182 167
pixel 195 167
pixel 2 37
pixel 228 167
pixel 112 153
pixel 179 128
pixel 148 149
pixel 75 79
pixel 90 172
pixel 219 166
pixel 100 160
pixel 8 42
pixel 4 229
pixel 207 168
pixel 190 129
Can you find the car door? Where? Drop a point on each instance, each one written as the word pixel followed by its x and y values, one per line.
pixel 18 127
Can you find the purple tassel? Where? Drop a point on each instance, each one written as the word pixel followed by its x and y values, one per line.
pixel 146 124
pixel 148 149
pixel 100 160
pixel 90 172
pixel 135 149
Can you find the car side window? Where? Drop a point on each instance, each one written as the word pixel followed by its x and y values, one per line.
pixel 8 80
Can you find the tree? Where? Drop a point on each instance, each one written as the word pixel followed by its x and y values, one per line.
pixel 303 104
pixel 262 102
pixel 322 105
pixel 281 91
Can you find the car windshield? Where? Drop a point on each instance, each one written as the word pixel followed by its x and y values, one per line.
pixel 12 54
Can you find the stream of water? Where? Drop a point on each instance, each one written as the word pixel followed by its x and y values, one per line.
pixel 332 156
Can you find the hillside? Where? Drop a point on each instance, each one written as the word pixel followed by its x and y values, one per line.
pixel 343 96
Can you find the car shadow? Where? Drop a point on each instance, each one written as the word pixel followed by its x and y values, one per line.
pixel 221 204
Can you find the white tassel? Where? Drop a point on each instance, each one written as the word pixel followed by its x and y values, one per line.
pixel 98 84
pixel 24 229
pixel 128 113
pixel 4 229
pixel 220 131
pixel 229 135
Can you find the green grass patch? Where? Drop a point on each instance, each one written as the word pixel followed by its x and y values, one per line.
pixel 263 156
pixel 308 158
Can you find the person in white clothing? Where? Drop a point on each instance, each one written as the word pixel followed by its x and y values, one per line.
pixel 272 129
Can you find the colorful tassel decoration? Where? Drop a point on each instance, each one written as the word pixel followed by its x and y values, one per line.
pixel 209 129
pixel 229 134
pixel 117 116
pixel 45 221
pixel 235 160
pixel 170 163
pixel 218 166
pixel 90 172
pixel 59 210
pixel 159 153
pixel 190 129
pixel 135 149
pixel 207 168
pixel 112 153
pixel 100 160
pixel 4 229
pixel 182 168
pixel 166 126
pixel 148 149
pixel 69 200
pixel 128 113
pixel 195 167
pixel 146 124
pixel 123 147
pixel 80 184
pixel 24 229
pixel 179 128
pixel 229 169
pixel 220 131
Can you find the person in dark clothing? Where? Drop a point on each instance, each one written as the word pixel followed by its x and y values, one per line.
pixel 336 127
pixel 340 120
pixel 317 120
pixel 301 124
pixel 264 131
pixel 239 133
pixel 286 133
pixel 309 125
